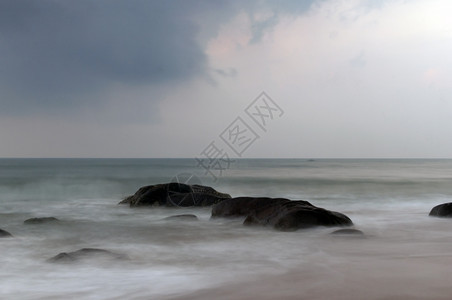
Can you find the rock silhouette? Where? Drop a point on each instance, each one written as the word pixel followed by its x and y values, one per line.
pixel 279 213
pixel 175 194
pixel 185 217
pixel 443 210
pixel 4 234
pixel 43 220
pixel 85 253
pixel 348 231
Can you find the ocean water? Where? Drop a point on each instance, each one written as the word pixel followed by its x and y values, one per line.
pixel 405 254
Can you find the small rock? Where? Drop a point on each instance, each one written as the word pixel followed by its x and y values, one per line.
pixel 5 234
pixel 348 231
pixel 86 253
pixel 43 220
pixel 186 217
pixel 63 257
pixel 280 213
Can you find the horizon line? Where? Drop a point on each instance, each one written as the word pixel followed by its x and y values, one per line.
pixel 240 158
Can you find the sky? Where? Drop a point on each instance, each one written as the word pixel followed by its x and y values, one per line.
pixel 250 79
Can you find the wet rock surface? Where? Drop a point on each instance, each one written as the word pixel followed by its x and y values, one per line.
pixel 443 210
pixel 175 195
pixel 279 213
pixel 86 253
pixel 243 206
pixel 5 234
pixel 44 220
pixel 184 217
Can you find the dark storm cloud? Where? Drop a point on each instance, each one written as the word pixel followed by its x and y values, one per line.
pixel 61 54
pixel 52 51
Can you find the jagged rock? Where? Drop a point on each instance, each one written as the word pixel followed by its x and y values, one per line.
pixel 86 253
pixel 5 234
pixel 280 213
pixel 43 220
pixel 185 217
pixel 175 194
pixel 443 210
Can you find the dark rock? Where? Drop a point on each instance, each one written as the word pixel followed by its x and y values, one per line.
pixel 443 210
pixel 86 253
pixel 62 257
pixel 280 213
pixel 348 231
pixel 5 234
pixel 293 216
pixel 175 194
pixel 186 217
pixel 41 220
pixel 243 206
pixel 127 200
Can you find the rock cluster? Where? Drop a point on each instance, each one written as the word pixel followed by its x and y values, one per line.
pixel 279 213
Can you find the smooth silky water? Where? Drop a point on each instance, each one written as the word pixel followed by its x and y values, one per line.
pixel 405 254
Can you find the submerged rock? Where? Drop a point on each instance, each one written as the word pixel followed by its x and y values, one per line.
pixel 175 194
pixel 86 253
pixel 5 234
pixel 43 220
pixel 280 213
pixel 443 210
pixel 185 217
pixel 348 231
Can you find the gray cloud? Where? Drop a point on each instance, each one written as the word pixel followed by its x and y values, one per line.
pixel 56 51
pixel 62 54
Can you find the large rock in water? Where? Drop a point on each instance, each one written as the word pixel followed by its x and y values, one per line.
pixel 443 210
pixel 175 194
pixel 280 213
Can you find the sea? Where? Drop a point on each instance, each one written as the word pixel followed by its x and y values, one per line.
pixel 403 254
